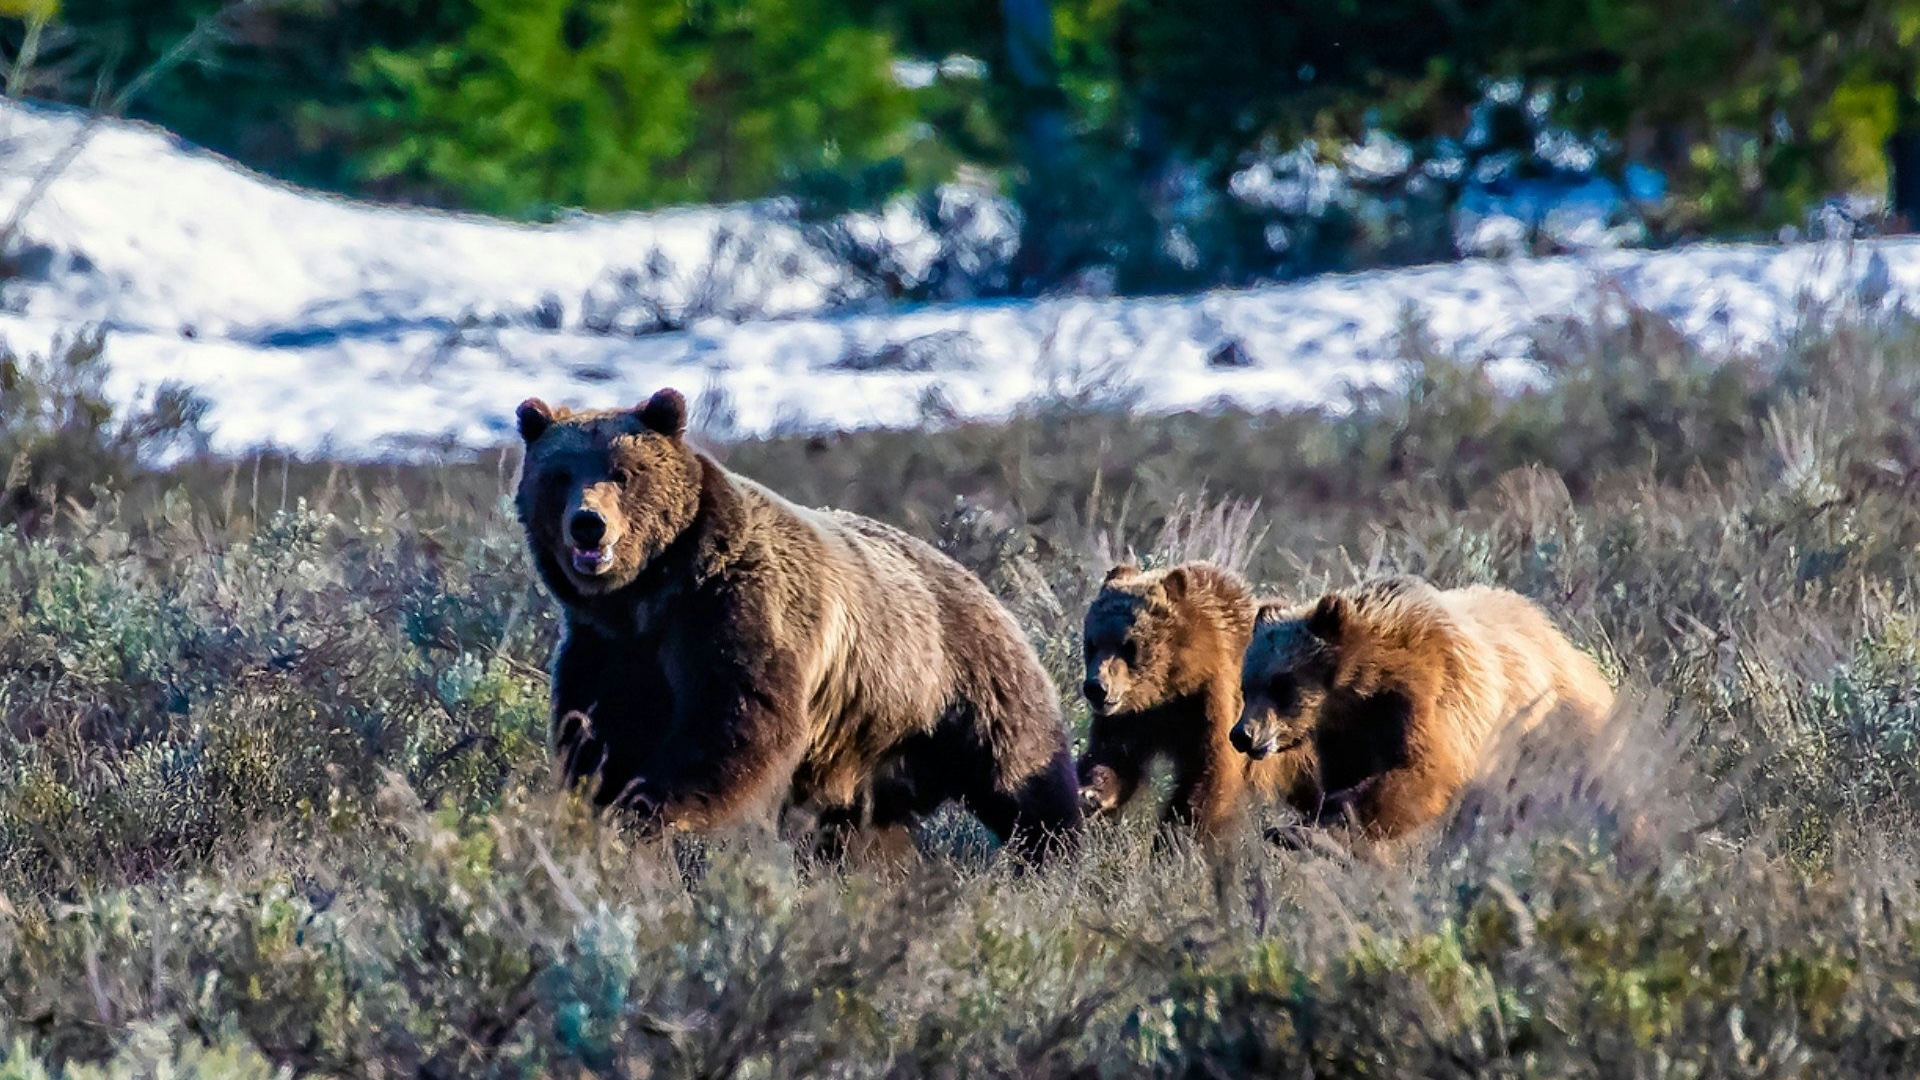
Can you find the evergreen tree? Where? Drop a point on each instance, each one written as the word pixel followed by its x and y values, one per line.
pixel 608 104
pixel 267 82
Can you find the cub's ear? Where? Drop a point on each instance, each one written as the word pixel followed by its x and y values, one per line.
pixel 1328 618
pixel 535 418
pixel 1175 584
pixel 1121 572
pixel 665 412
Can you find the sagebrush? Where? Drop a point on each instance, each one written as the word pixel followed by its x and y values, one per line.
pixel 275 796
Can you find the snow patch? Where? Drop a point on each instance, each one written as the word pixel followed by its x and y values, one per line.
pixel 322 325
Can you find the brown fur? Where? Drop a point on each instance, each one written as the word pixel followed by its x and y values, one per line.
pixel 727 654
pixel 1163 655
pixel 1401 688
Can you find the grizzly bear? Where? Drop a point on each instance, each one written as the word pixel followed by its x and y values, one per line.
pixel 728 656
pixel 1163 655
pixel 1401 688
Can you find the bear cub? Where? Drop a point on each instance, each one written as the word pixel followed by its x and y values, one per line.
pixel 1401 688
pixel 1163 663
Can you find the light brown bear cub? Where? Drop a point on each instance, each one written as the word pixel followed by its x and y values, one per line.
pixel 727 655
pixel 1401 688
pixel 1163 654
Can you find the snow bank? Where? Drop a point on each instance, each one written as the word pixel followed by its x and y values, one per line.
pixel 327 326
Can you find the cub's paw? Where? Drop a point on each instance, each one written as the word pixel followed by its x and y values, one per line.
pixel 1302 838
pixel 1100 794
pixel 1292 837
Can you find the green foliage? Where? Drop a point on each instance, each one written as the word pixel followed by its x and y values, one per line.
pixel 609 105
pixel 1121 150
pixel 269 82
pixel 1756 112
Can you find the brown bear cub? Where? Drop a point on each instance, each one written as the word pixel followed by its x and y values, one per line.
pixel 1163 653
pixel 728 656
pixel 1401 688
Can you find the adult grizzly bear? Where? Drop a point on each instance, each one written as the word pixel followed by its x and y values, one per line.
pixel 1401 687
pixel 727 654
pixel 1163 654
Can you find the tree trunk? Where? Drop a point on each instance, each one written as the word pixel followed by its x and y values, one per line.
pixel 1044 139
pixel 1903 157
pixel 1903 178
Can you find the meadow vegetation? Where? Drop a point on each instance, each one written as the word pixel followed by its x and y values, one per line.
pixel 275 796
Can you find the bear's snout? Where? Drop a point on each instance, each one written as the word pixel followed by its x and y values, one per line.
pixel 592 530
pixel 1096 693
pixel 1240 738
pixel 587 534
pixel 1244 740
pixel 587 528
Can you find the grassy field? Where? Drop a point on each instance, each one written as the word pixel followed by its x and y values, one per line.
pixel 274 794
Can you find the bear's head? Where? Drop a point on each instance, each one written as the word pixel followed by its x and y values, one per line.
pixel 603 493
pixel 1139 640
pixel 1288 671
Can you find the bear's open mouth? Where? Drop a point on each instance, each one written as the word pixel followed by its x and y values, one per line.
pixel 589 560
pixel 1279 744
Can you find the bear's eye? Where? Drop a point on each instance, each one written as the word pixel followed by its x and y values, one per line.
pixel 622 475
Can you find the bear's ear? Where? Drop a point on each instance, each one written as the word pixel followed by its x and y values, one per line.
pixel 1174 585
pixel 535 418
pixel 1328 617
pixel 1121 572
pixel 665 412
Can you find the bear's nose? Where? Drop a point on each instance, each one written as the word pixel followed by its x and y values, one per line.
pixel 1096 692
pixel 588 528
pixel 1241 741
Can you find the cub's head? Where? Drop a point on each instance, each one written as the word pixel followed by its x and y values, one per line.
pixel 1286 675
pixel 1136 640
pixel 603 493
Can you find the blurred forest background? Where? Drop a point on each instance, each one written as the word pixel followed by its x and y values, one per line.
pixel 1149 145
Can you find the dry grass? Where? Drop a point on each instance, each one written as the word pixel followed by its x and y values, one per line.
pixel 274 794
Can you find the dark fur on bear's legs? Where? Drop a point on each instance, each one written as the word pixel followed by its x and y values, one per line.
pixel 601 699
pixel 1037 816
pixel 851 836
pixel 1040 817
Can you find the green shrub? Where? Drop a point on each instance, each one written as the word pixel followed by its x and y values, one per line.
pixel 60 436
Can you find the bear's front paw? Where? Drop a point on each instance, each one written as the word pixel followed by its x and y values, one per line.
pixel 1303 838
pixel 643 807
pixel 1292 837
pixel 1343 807
pixel 1101 792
